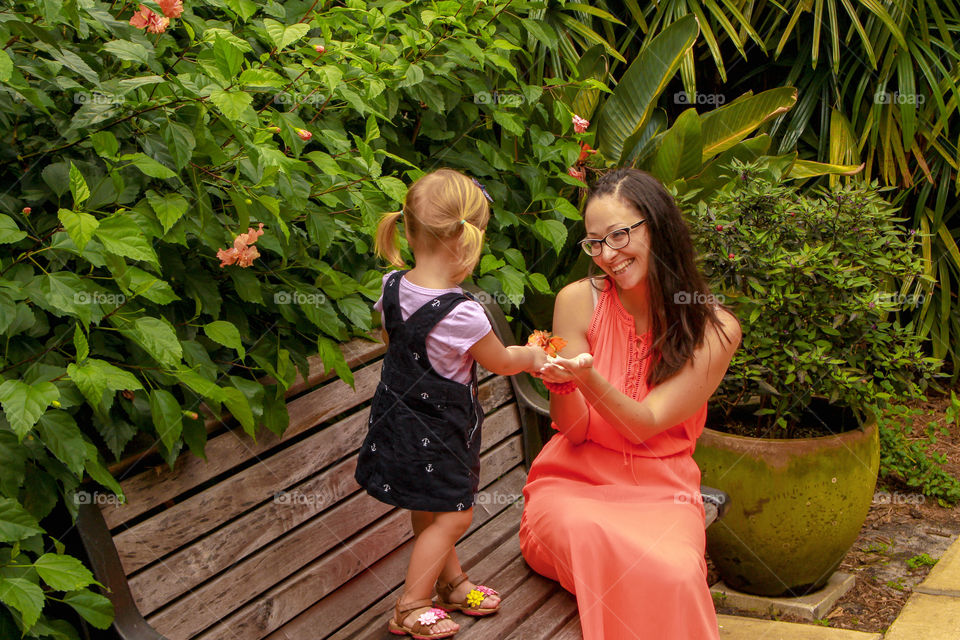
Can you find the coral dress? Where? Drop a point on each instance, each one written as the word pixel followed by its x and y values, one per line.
pixel 621 525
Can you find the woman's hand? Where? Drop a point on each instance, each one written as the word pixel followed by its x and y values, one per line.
pixel 559 369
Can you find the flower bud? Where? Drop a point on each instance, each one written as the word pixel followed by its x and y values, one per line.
pixel 304 134
pixel 274 129
pixel 26 211
pixel 319 48
pixel 193 415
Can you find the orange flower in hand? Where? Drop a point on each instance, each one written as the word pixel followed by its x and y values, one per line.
pixel 550 344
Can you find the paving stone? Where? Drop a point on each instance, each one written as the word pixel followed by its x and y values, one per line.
pixel 927 617
pixel 944 577
pixel 736 628
pixel 809 607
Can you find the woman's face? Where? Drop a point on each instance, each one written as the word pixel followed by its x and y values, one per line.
pixel 627 266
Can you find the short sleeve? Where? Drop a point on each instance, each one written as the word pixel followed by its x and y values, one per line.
pixel 465 325
pixel 378 305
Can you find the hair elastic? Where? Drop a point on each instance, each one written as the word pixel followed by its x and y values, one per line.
pixel 463 222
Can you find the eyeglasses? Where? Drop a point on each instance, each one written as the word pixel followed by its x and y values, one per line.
pixel 616 239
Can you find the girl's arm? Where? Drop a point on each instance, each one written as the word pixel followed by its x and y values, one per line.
pixel 571 321
pixel 506 361
pixel 670 402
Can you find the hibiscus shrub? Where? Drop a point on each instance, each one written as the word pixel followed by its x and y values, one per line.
pixel 190 194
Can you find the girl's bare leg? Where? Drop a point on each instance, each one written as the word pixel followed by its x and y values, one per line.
pixel 434 537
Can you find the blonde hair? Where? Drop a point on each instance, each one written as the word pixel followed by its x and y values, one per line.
pixel 443 204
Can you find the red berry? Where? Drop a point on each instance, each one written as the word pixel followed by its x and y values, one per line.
pixel 719 227
pixel 730 255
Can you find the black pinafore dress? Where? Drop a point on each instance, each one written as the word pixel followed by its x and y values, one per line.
pixel 422 450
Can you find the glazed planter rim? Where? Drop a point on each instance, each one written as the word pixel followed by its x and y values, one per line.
pixel 865 426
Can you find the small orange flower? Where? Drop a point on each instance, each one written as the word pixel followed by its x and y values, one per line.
pixel 550 344
pixel 26 211
pixel 241 253
pixel 171 8
pixel 153 22
pixel 319 48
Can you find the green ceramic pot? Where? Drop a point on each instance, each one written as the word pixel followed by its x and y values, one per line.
pixel 796 506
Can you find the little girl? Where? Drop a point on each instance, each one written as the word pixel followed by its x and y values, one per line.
pixel 422 451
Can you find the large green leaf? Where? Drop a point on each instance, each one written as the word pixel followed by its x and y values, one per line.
pixel 15 522
pixel 167 416
pixel 726 126
pixel 680 153
pixel 635 97
pixel 93 607
pixel 63 572
pixel 59 431
pixel 24 596
pixel 158 338
pixel 79 225
pixel 122 236
pixel 23 404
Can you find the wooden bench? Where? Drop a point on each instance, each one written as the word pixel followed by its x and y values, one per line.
pixel 273 539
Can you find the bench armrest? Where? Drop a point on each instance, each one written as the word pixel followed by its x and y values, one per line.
pixel 107 569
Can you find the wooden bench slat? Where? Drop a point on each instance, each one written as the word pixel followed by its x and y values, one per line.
pixel 548 619
pixel 524 600
pixel 192 565
pixel 486 570
pixel 570 631
pixel 287 599
pixel 228 450
pixel 487 531
pixel 356 352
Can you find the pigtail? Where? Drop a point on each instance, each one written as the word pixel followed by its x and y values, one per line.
pixel 471 246
pixel 385 242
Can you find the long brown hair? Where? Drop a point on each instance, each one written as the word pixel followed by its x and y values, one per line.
pixel 442 204
pixel 679 295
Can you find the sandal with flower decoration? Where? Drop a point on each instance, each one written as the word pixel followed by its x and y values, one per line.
pixel 471 605
pixel 420 630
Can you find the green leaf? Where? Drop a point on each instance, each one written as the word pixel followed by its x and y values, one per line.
pixel 243 8
pixel 126 50
pixel 332 358
pixel 63 572
pixel 227 57
pixel 9 231
pixel 553 231
pixel 680 153
pixel 629 107
pixel 97 376
pixel 724 127
pixel 122 236
pixel 169 207
pixel 142 283
pixel 239 406
pixel 15 522
pixel 80 344
pixel 167 416
pixel 24 596
pixel 283 36
pixel 79 225
pixel 105 144
pixel 180 142
pixel 395 189
pixel 157 338
pixel 92 607
pixel 78 186
pixel 23 403
pixel 59 431
pixel 225 333
pixel 356 310
pixel 232 104
pixel 148 166
pixel 6 67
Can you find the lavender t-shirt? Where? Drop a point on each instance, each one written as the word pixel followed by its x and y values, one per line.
pixel 449 342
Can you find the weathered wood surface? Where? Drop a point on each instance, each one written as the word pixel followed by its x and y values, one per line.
pixel 283 602
pixel 255 531
pixel 152 488
pixel 196 563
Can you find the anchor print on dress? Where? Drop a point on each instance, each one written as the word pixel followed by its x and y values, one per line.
pixel 425 395
pixel 425 442
pixel 373 446
pixel 416 356
pixel 459 506
pixel 435 303
pixel 386 488
pixel 429 468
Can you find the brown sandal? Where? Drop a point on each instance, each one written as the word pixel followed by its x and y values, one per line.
pixel 471 605
pixel 421 628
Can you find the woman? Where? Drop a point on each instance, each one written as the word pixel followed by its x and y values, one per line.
pixel 612 504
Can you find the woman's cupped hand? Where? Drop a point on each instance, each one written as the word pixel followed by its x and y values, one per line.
pixel 559 369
